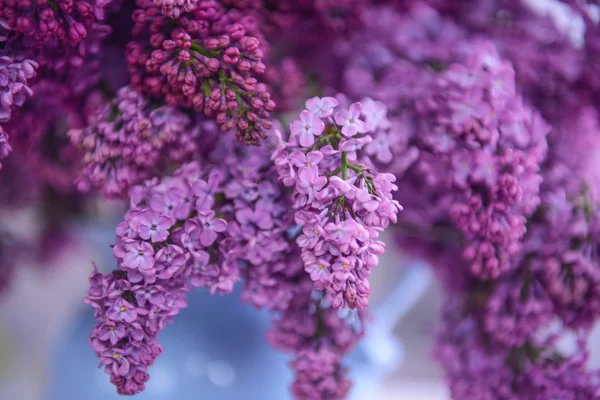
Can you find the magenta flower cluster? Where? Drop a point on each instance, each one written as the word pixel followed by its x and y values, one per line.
pixel 480 117
pixel 128 141
pixel 494 167
pixel 209 225
pixel 49 22
pixel 165 246
pixel 13 92
pixel 342 203
pixel 205 58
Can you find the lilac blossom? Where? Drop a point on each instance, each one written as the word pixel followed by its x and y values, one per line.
pixel 342 205
pixel 45 22
pixel 128 141
pixel 210 60
pixel 480 117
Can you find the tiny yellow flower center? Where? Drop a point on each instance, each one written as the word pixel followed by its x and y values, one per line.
pixel 116 356
pixel 322 266
pixel 351 121
pixel 123 308
pixel 316 231
pixel 345 265
pixel 308 164
pixel 141 253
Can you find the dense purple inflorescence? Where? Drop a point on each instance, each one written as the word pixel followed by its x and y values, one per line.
pixel 342 202
pixel 480 117
pixel 207 59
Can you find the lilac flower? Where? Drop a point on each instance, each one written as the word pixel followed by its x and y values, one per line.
pixel 309 183
pixel 321 107
pixel 339 215
pixel 153 226
pixel 210 61
pixel 350 122
pixel 210 227
pixel 115 361
pixel 128 141
pixel 112 332
pixel 318 375
pixel 308 160
pixel 137 255
pixel 319 270
pixel 43 24
pixel 174 8
pixel 380 148
pixel 306 128
pixel 375 113
pixel 122 311
pixel 468 106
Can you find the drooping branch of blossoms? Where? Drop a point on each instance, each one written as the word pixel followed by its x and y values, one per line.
pixel 342 203
pixel 520 197
pixel 208 226
pixel 130 140
pixel 484 126
pixel 165 246
pixel 13 92
pixel 319 335
pixel 208 59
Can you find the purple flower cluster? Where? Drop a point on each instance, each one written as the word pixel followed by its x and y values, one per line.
pixel 477 369
pixel 472 147
pixel 494 144
pixel 13 84
pixel 259 218
pixel 128 140
pixel 166 245
pixel 342 203
pixel 208 226
pixel 208 59
pixel 484 174
pixel 319 375
pixel 481 117
pixel 54 22
pixel 13 92
pixel 319 335
pixel 322 15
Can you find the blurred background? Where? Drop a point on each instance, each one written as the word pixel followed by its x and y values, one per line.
pixel 216 348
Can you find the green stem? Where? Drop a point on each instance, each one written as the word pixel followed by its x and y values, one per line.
pixel 344 165
pixel 204 51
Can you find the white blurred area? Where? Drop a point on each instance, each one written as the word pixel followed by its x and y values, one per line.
pixel 40 302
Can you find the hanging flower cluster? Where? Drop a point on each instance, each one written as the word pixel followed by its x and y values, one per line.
pixel 342 203
pixel 208 59
pixel 499 196
pixel 165 246
pixel 480 117
pixel 128 139
pixel 13 92
pixel 208 225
